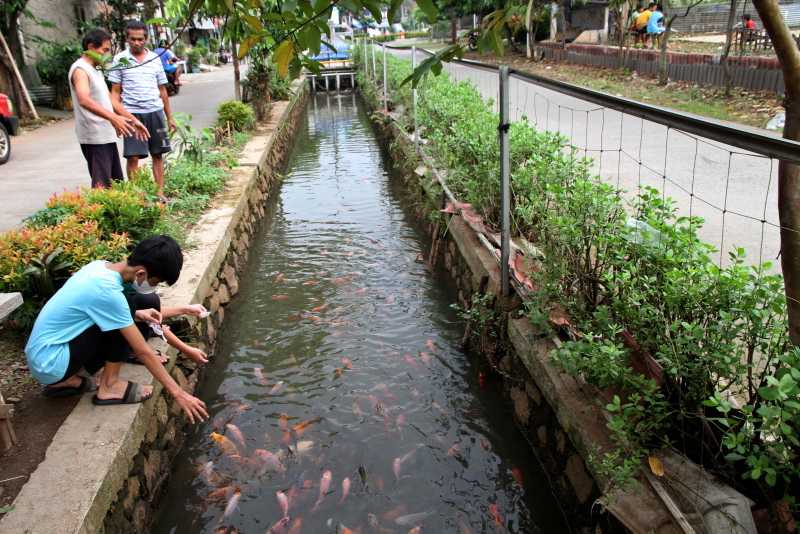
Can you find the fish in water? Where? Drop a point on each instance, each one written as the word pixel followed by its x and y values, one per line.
pixel 413 519
pixel 431 345
pixel 415 530
pixel 260 376
pixel 357 409
pixel 267 461
pixel 397 463
pixel 400 421
pixel 277 388
pixel 310 283
pixel 279 298
pixel 411 361
pixel 347 363
pixel 345 489
pixel 283 502
pixel 320 308
pixel 297 526
pixel 279 278
pixel 233 503
pixel 425 357
pixel 279 527
pixel 341 529
pixel 455 450
pixel 283 421
pixel 494 511
pixel 225 445
pixel 301 447
pixel 208 474
pixel 220 493
pixel 299 428
pixel 236 435
pixel 324 486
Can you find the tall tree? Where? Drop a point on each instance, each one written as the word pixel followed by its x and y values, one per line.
pixel 726 67
pixel 788 173
pixel 680 12
pixel 11 11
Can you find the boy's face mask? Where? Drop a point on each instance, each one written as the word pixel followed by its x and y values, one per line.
pixel 144 286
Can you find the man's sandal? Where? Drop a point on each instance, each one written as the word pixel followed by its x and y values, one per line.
pixel 87 384
pixel 133 394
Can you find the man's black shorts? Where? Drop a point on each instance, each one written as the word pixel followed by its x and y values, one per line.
pixel 103 162
pixel 156 124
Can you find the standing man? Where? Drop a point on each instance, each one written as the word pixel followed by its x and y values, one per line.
pixel 655 27
pixel 138 86
pixel 96 124
pixel 640 25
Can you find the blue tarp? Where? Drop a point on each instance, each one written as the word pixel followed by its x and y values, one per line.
pixel 341 53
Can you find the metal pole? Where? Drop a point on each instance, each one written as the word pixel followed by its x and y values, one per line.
pixel 374 67
pixel 366 60
pixel 385 89
pixel 505 192
pixel 414 93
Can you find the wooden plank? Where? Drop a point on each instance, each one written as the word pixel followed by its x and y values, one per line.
pixel 8 303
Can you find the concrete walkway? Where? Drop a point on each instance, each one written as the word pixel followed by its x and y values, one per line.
pixel 49 160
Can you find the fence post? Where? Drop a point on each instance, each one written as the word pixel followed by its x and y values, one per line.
pixel 505 193
pixel 374 68
pixel 366 59
pixel 414 98
pixel 385 88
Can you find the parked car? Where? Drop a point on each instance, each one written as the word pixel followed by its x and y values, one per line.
pixel 9 125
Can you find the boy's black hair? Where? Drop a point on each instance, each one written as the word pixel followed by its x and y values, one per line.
pixel 651 5
pixel 746 16
pixel 135 25
pixel 95 37
pixel 161 256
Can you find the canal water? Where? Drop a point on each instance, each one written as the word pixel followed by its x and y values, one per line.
pixel 339 387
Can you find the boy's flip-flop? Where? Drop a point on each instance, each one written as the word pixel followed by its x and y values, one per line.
pixel 133 394
pixel 87 385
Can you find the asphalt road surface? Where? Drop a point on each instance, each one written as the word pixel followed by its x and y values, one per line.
pixel 49 160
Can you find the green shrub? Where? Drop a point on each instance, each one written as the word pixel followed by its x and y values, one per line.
pixel 236 115
pixel 54 65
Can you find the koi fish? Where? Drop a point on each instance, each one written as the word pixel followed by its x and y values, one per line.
pixel 279 298
pixel 337 373
pixel 260 376
pixel 411 519
pixel 348 364
pixel 431 345
pixel 283 502
pixel 455 450
pixel 324 485
pixel 397 463
pixel 299 428
pixel 267 461
pixel 220 493
pixel 279 527
pixel 283 421
pixel 341 529
pixel 301 447
pixel 400 421
pixel 320 308
pixel 391 299
pixel 277 388
pixel 279 278
pixel 225 445
pixel 310 283
pixel 496 517
pixel 360 290
pixel 208 474
pixel 425 357
pixel 345 489
pixel 394 513
pixel 233 503
pixel 341 280
pixel 296 527
pixel 410 361
pixel 237 435
pixel 415 530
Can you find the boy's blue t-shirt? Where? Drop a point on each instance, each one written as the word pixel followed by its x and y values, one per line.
pixel 652 22
pixel 92 296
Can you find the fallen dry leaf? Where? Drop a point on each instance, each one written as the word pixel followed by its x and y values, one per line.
pixel 656 466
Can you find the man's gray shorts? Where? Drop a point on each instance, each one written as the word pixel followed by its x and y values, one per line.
pixel 156 124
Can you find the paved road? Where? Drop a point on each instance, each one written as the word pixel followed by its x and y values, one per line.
pixel 732 190
pixel 49 160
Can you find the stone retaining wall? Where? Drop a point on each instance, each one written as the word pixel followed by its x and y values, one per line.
pixel 136 502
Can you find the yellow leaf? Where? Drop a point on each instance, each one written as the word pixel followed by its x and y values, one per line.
pixel 656 466
pixel 283 55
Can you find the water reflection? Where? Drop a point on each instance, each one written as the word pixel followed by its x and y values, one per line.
pixel 340 397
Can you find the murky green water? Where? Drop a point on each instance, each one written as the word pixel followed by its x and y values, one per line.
pixel 340 359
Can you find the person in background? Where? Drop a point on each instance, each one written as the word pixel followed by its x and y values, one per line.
pixel 87 326
pixel 97 126
pixel 168 60
pixel 747 22
pixel 640 26
pixel 655 27
pixel 138 88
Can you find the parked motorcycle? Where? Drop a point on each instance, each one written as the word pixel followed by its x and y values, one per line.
pixel 472 40
pixel 172 88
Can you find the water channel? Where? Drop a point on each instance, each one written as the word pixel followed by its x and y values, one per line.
pixel 340 365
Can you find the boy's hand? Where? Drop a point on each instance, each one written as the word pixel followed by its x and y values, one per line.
pixel 149 315
pixel 198 310
pixel 196 355
pixel 194 408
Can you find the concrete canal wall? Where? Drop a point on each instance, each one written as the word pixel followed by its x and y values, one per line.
pixel 105 467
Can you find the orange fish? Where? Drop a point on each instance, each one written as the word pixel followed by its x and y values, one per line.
pixel 415 530
pixel 496 517
pixel 236 435
pixel 283 422
pixel 394 513
pixel 221 493
pixel 431 345
pixel 357 409
pixel 278 298
pixel 279 278
pixel 400 421
pixel 310 283
pixel 338 372
pixel 296 527
pixel 225 445
pixel 319 308
pixel 260 376
pixel 454 450
pixel 341 280
pixel 233 503
pixel 361 291
pixel 425 357
pixel 410 361
pixel 517 474
pixel 347 363
pixel 299 428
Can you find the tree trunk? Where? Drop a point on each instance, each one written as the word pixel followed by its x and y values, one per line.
pixel 623 12
pixel 237 84
pixel 726 68
pixel 788 173
pixel 529 28
pixel 454 28
pixel 663 63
